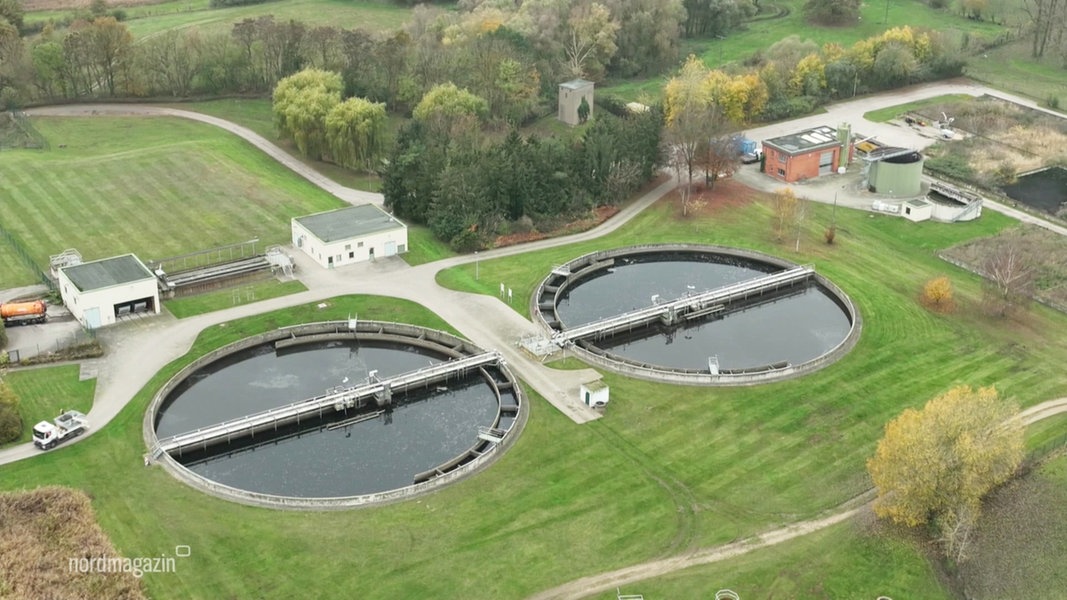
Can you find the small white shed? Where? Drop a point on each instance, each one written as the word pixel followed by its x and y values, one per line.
pixel 571 94
pixel 97 293
pixel 918 209
pixel 594 393
pixel 350 235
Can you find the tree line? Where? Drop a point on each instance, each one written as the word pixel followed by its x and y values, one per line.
pixel 509 57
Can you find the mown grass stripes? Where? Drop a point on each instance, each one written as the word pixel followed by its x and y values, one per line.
pixel 188 187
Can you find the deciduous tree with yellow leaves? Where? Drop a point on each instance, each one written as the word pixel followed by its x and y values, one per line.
pixel 934 465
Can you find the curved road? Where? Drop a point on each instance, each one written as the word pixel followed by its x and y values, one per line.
pixel 484 320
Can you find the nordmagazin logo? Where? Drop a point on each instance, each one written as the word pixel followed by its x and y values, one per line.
pixel 136 566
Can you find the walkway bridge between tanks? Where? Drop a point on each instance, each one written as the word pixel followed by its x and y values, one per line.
pixel 689 307
pixel 335 400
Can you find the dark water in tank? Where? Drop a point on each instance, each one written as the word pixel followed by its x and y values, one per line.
pixel 422 431
pixel 1045 190
pixel 794 328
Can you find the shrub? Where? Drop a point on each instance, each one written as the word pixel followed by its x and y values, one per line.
pixel 1053 102
pixel 10 419
pixel 3 335
pixel 830 234
pixel 937 295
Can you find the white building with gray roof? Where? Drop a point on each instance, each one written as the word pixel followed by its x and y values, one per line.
pixel 350 235
pixel 100 292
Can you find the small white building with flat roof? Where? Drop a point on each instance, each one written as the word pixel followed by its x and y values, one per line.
pixel 918 209
pixel 350 235
pixel 99 292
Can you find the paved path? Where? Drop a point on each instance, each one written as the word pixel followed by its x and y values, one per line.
pixel 603 582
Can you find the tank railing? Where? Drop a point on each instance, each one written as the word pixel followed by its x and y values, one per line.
pixel 344 397
pixel 693 302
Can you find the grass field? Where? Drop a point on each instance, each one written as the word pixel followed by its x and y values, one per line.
pixel 668 469
pixel 228 298
pixel 150 19
pixel 255 114
pixel 1011 68
pixel 44 393
pixel 1022 538
pixel 424 247
pixel 889 113
pixel 154 187
pixel 850 560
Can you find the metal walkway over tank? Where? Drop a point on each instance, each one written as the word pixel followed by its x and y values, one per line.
pixel 688 307
pixel 339 399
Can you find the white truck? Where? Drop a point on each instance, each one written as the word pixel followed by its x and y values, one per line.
pixel 67 425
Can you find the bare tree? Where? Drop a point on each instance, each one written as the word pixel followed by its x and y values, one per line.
pixel 681 156
pixel 799 216
pixel 1009 279
pixel 785 209
pixel 1046 16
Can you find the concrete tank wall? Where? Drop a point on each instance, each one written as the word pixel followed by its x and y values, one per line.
pixel 900 176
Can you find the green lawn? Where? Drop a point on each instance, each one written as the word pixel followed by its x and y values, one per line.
pixel 15 272
pixel 1011 68
pixel 182 14
pixel 892 112
pixel 424 247
pixel 669 468
pixel 155 187
pixel 849 560
pixel 228 298
pixel 44 393
pixel 255 114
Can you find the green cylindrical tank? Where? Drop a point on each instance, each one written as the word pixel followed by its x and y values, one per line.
pixel 899 176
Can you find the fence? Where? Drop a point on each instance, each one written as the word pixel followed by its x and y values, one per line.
pixel 27 259
pixel 1046 448
pixel 16 132
pixel 35 353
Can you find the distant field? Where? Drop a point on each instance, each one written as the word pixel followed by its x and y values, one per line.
pixel 1011 68
pixel 154 187
pixel 148 19
pixel 762 33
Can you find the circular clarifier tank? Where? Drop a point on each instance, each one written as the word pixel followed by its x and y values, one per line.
pixel 691 327
pixel 334 414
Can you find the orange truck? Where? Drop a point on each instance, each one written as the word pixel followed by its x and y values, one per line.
pixel 18 313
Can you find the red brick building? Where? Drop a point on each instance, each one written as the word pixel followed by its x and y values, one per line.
pixel 807 154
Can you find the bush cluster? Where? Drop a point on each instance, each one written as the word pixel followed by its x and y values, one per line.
pixel 10 419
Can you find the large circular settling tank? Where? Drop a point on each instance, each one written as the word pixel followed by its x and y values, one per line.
pixel 334 413
pixel 763 333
